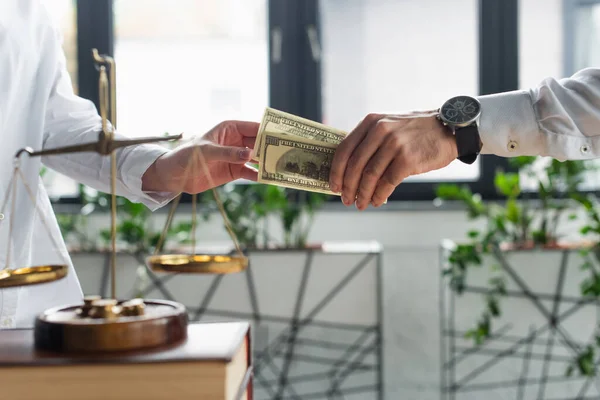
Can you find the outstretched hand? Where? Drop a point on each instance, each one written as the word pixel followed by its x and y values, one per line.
pixel 383 150
pixel 213 159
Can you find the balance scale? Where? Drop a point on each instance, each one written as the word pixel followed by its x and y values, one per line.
pixel 101 326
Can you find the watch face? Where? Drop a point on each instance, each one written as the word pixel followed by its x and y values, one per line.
pixel 460 110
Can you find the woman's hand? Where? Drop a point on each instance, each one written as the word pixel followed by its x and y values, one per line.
pixel 215 158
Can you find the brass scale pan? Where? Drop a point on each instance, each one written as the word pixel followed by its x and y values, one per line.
pixel 167 263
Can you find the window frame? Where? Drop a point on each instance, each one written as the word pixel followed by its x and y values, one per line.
pixel 569 9
pixel 295 69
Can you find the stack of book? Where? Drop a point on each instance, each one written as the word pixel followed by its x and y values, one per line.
pixel 214 362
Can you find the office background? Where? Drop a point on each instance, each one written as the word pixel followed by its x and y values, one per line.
pixel 185 65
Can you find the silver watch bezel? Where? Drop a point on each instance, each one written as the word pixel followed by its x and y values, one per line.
pixel 454 125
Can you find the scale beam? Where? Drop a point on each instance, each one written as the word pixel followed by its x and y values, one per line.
pixel 103 146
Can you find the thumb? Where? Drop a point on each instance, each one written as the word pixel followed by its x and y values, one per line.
pixel 231 154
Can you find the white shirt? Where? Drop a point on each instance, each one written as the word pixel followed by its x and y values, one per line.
pixel 558 119
pixel 38 109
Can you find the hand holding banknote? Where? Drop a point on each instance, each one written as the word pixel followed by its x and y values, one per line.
pixel 383 150
pixel 296 153
pixel 217 157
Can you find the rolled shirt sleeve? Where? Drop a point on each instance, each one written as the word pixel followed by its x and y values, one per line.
pixel 558 119
pixel 70 120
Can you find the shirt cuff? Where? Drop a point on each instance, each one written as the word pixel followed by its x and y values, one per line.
pixel 137 162
pixel 519 123
pixel 508 126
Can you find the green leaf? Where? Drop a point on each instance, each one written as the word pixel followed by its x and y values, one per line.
pixel 591 286
pixel 131 232
pixel 498 285
pixel 522 161
pixel 583 200
pixel 540 236
pixel 507 184
pixel 512 211
pixel 451 192
pixel 585 362
pixel 493 306
pixel 289 218
pixel 135 209
pixel 105 235
pixel 481 331
pixel 473 234
pixel 500 224
pixel 543 191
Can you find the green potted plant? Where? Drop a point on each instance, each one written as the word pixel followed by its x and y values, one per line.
pixel 252 210
pixel 519 223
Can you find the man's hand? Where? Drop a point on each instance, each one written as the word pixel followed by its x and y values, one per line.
pixel 383 150
pixel 216 158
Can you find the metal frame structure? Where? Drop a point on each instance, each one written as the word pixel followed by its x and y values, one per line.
pixel 274 362
pixel 557 342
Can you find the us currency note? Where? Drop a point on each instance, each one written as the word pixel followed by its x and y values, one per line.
pixel 275 121
pixel 296 163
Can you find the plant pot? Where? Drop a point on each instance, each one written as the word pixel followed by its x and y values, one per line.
pixel 552 245
pixel 544 324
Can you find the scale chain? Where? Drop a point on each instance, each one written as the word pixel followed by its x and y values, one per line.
pixel 44 221
pixel 17 173
pixel 11 219
pixel 220 206
pixel 198 156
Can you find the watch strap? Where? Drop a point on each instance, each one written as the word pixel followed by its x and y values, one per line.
pixel 468 143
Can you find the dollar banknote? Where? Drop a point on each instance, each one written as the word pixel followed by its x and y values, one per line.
pixel 295 162
pixel 275 121
pixel 295 152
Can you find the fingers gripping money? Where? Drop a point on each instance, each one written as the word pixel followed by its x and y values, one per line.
pixel 295 152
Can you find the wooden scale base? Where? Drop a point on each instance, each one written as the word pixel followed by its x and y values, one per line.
pixel 134 349
pixel 104 325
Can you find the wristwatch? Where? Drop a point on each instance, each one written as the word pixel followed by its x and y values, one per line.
pixel 461 114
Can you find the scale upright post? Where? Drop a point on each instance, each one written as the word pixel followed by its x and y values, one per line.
pixel 106 94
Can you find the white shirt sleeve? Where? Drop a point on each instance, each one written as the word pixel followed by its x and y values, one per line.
pixel 71 120
pixel 558 119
